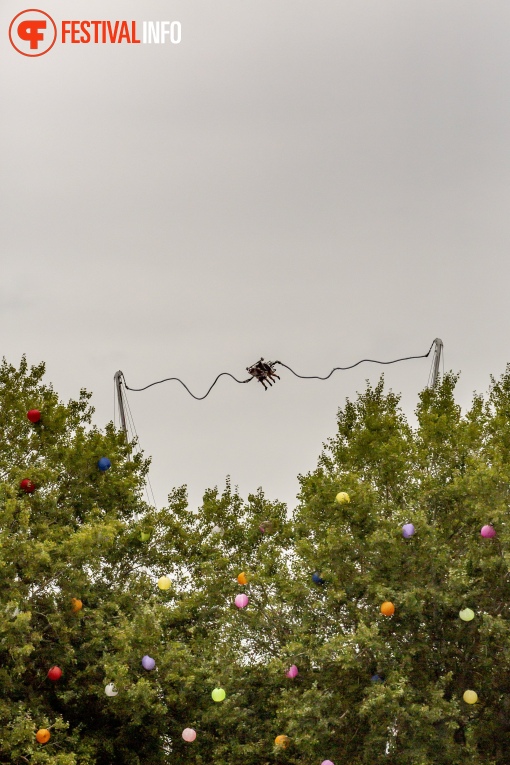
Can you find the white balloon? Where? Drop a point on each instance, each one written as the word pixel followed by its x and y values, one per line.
pixel 110 689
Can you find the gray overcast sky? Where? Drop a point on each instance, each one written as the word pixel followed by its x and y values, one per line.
pixel 313 181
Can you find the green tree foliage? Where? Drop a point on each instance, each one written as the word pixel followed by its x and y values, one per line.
pixel 88 534
pixel 371 689
pixel 449 476
pixel 74 537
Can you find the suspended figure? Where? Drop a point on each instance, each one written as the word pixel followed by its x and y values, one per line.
pixel 264 372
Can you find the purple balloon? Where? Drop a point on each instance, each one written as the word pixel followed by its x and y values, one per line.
pixel 241 601
pixel 488 532
pixel 293 672
pixel 407 530
pixel 148 663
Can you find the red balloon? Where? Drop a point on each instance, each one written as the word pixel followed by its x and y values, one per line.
pixel 55 673
pixel 27 485
pixel 34 415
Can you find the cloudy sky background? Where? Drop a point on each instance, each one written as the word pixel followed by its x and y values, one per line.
pixel 314 182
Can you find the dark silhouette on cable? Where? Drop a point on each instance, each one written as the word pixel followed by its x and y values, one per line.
pixel 264 371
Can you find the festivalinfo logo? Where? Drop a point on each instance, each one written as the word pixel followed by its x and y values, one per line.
pixel 34 32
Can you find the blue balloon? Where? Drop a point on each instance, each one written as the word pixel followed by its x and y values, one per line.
pixel 104 464
pixel 317 579
pixel 376 678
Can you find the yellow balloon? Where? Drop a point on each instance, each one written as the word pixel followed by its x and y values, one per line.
pixel 76 605
pixel 164 583
pixel 342 498
pixel 470 697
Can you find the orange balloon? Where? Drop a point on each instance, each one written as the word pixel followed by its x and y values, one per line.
pixel 76 605
pixel 387 608
pixel 242 578
pixel 42 736
pixel 282 741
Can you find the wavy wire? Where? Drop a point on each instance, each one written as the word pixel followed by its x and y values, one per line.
pixel 371 361
pixel 302 377
pixel 198 398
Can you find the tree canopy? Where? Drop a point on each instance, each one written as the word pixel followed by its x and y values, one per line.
pixel 370 688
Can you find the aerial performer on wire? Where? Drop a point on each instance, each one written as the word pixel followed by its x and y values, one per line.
pixel 263 371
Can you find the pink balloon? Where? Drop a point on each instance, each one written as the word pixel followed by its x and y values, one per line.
pixel 488 532
pixel 327 762
pixel 189 735
pixel 293 672
pixel 241 601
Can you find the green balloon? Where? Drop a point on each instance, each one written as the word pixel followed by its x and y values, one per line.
pixel 218 694
pixel 466 615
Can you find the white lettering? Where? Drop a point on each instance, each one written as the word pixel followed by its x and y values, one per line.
pixel 153 31
pixel 175 32
pixel 165 30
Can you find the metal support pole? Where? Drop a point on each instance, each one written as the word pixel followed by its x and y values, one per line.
pixel 438 349
pixel 118 377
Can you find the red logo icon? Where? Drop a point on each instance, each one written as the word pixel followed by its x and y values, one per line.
pixel 32 32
